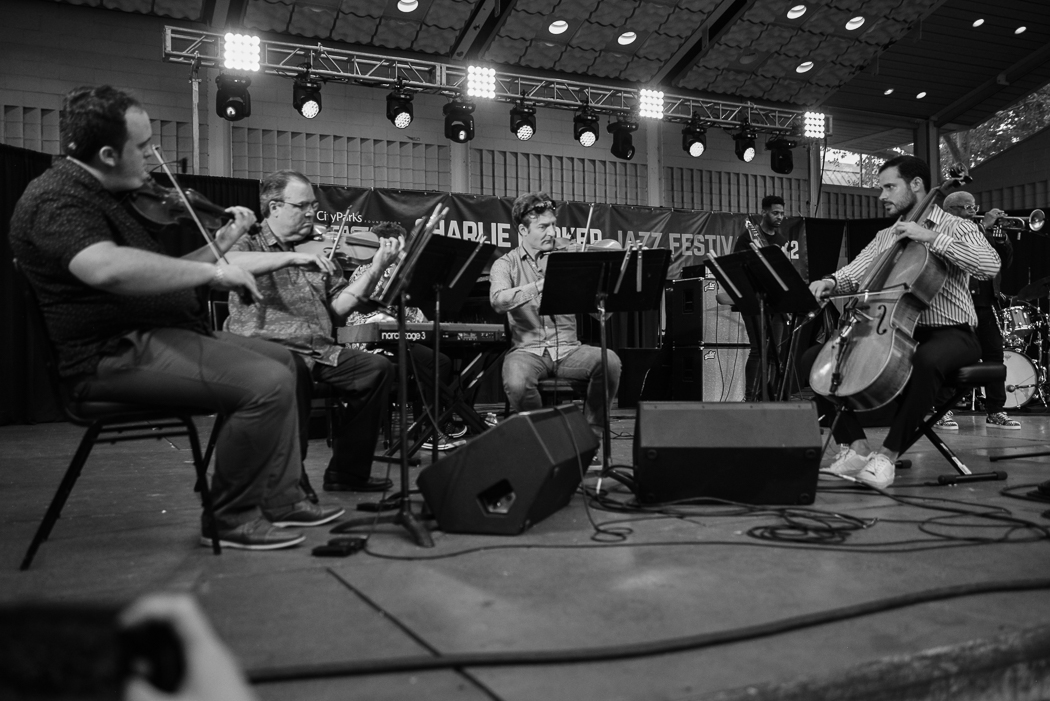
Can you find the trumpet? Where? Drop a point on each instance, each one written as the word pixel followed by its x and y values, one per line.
pixel 1034 222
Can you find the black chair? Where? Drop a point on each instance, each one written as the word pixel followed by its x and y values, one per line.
pixel 559 390
pixel 963 380
pixel 106 422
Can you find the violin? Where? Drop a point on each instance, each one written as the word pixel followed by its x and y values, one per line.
pixel 162 206
pixel 869 361
pixel 358 248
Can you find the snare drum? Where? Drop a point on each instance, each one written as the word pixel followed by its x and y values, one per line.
pixel 1017 324
pixel 1022 376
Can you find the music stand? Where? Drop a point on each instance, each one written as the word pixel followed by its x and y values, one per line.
pixel 761 281
pixel 602 282
pixel 397 293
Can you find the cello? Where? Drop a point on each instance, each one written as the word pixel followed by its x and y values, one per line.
pixel 868 362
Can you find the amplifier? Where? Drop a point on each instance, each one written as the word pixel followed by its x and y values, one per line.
pixel 695 318
pixel 708 374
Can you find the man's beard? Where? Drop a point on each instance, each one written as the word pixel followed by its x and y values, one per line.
pixel 905 210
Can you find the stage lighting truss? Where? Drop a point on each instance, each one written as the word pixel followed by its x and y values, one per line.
pixel 585 126
pixel 780 159
pixel 306 95
pixel 623 142
pixel 399 107
pixel 459 124
pixel 694 138
pixel 232 101
pixel 523 120
pixel 745 143
pixel 204 50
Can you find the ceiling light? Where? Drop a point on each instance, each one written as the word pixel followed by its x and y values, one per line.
pixel 978 23
pixel 780 159
pixel 623 142
pixel 523 121
pixel 399 107
pixel 232 101
pixel 855 23
pixel 796 11
pixel 920 95
pixel 558 26
pixel 481 82
pixel 407 5
pixel 651 103
pixel 306 96
pixel 626 38
pixel 745 143
pixel 1020 30
pixel 804 67
pixel 694 137
pixel 241 52
pixel 585 126
pixel 459 124
pixel 813 125
pixel 888 91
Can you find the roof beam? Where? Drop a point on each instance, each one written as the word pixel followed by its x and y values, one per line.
pixel 700 42
pixel 487 20
pixel 992 86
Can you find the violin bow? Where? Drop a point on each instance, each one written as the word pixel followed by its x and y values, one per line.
pixel 159 155
pixel 340 233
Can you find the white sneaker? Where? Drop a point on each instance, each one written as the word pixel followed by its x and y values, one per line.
pixel 848 462
pixel 878 472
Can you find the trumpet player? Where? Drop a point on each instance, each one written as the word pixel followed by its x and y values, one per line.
pixel 985 295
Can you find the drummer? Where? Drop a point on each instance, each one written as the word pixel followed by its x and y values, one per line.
pixel 985 295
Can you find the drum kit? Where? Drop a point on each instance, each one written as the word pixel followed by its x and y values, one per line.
pixel 1026 341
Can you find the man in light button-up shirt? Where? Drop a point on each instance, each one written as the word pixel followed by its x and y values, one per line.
pixel 543 346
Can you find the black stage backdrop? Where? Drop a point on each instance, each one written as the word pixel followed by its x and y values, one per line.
pixel 814 247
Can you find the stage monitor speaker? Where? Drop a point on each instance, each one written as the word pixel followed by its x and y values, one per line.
pixel 708 374
pixel 512 476
pixel 767 453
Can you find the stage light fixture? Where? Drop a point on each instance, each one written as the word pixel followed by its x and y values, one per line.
pixel 399 107
pixel 523 121
pixel 780 158
pixel 814 125
pixel 306 96
pixel 694 138
pixel 651 103
pixel 481 82
pixel 623 142
pixel 232 101
pixel 745 143
pixel 585 126
pixel 459 124
pixel 241 52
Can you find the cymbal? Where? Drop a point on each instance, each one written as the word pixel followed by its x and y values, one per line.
pixel 1035 290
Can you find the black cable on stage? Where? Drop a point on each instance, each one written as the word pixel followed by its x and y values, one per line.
pixel 633 650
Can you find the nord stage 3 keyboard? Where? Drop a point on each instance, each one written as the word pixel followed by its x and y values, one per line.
pixel 386 332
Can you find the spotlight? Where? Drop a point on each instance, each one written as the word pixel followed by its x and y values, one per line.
pixel 232 101
pixel 241 52
pixel 523 121
pixel 745 143
pixel 481 81
pixel 651 103
pixel 459 125
pixel 694 138
pixel 306 96
pixel 814 125
pixel 399 107
pixel 585 126
pixel 623 146
pixel 780 158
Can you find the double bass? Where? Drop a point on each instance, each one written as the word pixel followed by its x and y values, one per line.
pixel 869 361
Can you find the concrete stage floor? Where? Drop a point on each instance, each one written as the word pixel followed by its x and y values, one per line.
pixel 131 526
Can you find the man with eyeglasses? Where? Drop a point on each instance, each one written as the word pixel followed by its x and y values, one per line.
pixel 297 308
pixel 985 295
pixel 543 346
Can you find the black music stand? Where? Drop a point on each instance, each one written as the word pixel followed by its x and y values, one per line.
pixel 764 281
pixel 603 282
pixel 396 294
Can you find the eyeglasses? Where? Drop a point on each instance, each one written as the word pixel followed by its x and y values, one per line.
pixel 971 208
pixel 311 206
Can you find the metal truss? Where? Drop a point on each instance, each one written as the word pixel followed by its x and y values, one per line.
pixel 204 49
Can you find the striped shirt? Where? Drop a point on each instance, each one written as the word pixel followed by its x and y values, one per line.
pixel 959 243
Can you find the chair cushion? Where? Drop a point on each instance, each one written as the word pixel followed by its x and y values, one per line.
pixel 976 375
pixel 89 411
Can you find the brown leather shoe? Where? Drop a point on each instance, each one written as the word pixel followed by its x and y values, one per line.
pixel 258 534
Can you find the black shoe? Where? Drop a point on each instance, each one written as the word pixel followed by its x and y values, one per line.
pixel 334 482
pixel 308 490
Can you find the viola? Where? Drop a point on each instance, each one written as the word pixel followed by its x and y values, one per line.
pixel 869 361
pixel 162 206
pixel 358 248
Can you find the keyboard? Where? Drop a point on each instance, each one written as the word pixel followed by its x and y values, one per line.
pixel 451 334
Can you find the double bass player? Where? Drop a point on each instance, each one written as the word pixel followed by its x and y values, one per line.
pixel 944 330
